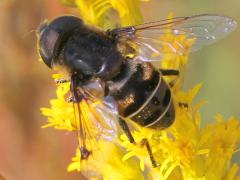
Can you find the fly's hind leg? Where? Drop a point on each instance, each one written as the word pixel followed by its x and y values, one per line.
pixel 144 142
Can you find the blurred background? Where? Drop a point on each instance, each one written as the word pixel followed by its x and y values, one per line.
pixel 29 152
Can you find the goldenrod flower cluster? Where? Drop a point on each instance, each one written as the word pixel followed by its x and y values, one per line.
pixel 186 150
pixel 101 12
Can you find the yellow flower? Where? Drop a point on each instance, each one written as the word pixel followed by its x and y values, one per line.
pixel 139 149
pixel 99 12
pixel 111 166
pixel 60 115
pixel 186 150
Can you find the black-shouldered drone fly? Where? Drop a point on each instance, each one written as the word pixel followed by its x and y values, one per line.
pixel 129 86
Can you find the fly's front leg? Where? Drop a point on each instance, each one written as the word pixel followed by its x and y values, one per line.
pixel 76 99
pixel 61 81
pixel 145 143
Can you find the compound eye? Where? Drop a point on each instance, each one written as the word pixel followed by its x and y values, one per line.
pixel 48 41
pixel 53 34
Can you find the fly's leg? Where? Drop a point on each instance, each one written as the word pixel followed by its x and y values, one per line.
pixel 183 105
pixel 144 142
pixel 76 99
pixel 169 72
pixel 61 81
pixel 126 130
pixel 172 72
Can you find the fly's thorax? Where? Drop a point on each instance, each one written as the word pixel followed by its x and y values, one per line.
pixel 92 53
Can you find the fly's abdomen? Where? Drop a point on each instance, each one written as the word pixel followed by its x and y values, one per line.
pixel 158 111
pixel 133 87
pixel 143 95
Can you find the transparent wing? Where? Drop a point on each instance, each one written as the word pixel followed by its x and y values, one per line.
pixel 95 120
pixel 101 119
pixel 107 118
pixel 176 36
